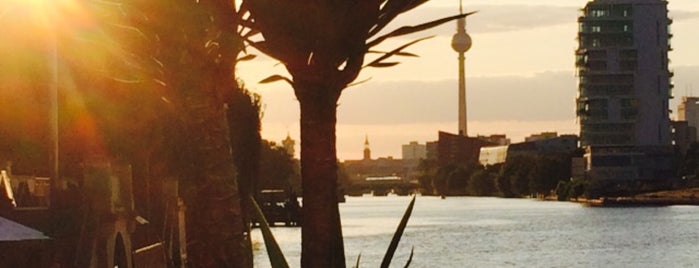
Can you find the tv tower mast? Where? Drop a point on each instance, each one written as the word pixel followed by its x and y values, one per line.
pixel 461 42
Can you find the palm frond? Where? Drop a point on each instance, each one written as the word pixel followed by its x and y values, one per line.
pixel 395 51
pixel 390 9
pixel 401 53
pixel 383 64
pixel 276 78
pixel 417 28
pixel 358 83
pixel 247 57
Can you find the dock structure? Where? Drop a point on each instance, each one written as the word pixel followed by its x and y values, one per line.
pixel 278 206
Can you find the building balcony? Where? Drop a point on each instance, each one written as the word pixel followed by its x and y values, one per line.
pixel 606 138
pixel 604 18
pixel 609 32
pixel 586 81
pixel 628 54
pixel 626 128
pixel 592 53
pixel 605 91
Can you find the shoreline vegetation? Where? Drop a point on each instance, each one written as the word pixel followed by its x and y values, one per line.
pixel 687 197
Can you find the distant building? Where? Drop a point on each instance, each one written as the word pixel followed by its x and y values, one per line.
pixel 683 135
pixel 459 150
pixel 626 164
pixel 432 150
pixel 541 136
pixel 499 139
pixel 556 145
pixel 688 110
pixel 414 151
pixel 493 155
pixel 624 91
pixel 565 144
pixel 622 62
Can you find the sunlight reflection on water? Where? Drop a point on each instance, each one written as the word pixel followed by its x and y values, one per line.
pixel 494 232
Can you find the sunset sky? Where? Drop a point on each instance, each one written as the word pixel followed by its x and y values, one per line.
pixel 519 73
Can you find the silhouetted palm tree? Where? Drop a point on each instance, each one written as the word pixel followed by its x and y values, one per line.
pixel 190 50
pixel 323 43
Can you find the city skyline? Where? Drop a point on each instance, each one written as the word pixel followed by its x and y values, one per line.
pixel 518 84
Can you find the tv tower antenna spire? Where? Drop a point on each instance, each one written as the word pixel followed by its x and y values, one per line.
pixel 461 42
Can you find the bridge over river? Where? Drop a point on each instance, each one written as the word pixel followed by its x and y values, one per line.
pixel 381 186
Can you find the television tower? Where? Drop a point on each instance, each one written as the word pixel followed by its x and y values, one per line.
pixel 461 42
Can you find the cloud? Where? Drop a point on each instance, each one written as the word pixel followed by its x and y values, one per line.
pixel 545 96
pixel 679 15
pixel 496 18
pixel 396 112
pixel 504 18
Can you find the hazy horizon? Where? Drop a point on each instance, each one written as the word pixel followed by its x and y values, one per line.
pixel 520 78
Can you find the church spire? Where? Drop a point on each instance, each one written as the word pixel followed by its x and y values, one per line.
pixel 288 144
pixel 367 151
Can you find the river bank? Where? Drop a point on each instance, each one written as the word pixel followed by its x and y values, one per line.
pixel 688 196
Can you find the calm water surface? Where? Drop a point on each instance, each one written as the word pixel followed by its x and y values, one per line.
pixel 494 232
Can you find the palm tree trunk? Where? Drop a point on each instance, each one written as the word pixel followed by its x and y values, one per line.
pixel 322 244
pixel 214 214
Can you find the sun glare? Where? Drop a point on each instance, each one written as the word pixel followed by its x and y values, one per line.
pixel 47 38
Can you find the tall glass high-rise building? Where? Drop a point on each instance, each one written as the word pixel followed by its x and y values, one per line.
pixel 624 80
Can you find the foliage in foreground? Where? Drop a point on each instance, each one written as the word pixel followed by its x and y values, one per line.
pixel 323 45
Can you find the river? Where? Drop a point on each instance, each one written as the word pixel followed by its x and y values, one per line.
pixel 496 232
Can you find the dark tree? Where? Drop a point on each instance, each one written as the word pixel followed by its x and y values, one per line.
pixel 428 170
pixel 482 183
pixel 547 172
pixel 516 170
pixel 323 43
pixel 187 51
pixel 276 167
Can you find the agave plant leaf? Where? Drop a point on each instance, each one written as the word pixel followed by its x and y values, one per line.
pixel 276 257
pixel 396 236
pixel 410 258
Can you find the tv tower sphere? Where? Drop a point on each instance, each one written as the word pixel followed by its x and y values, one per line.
pixel 461 42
